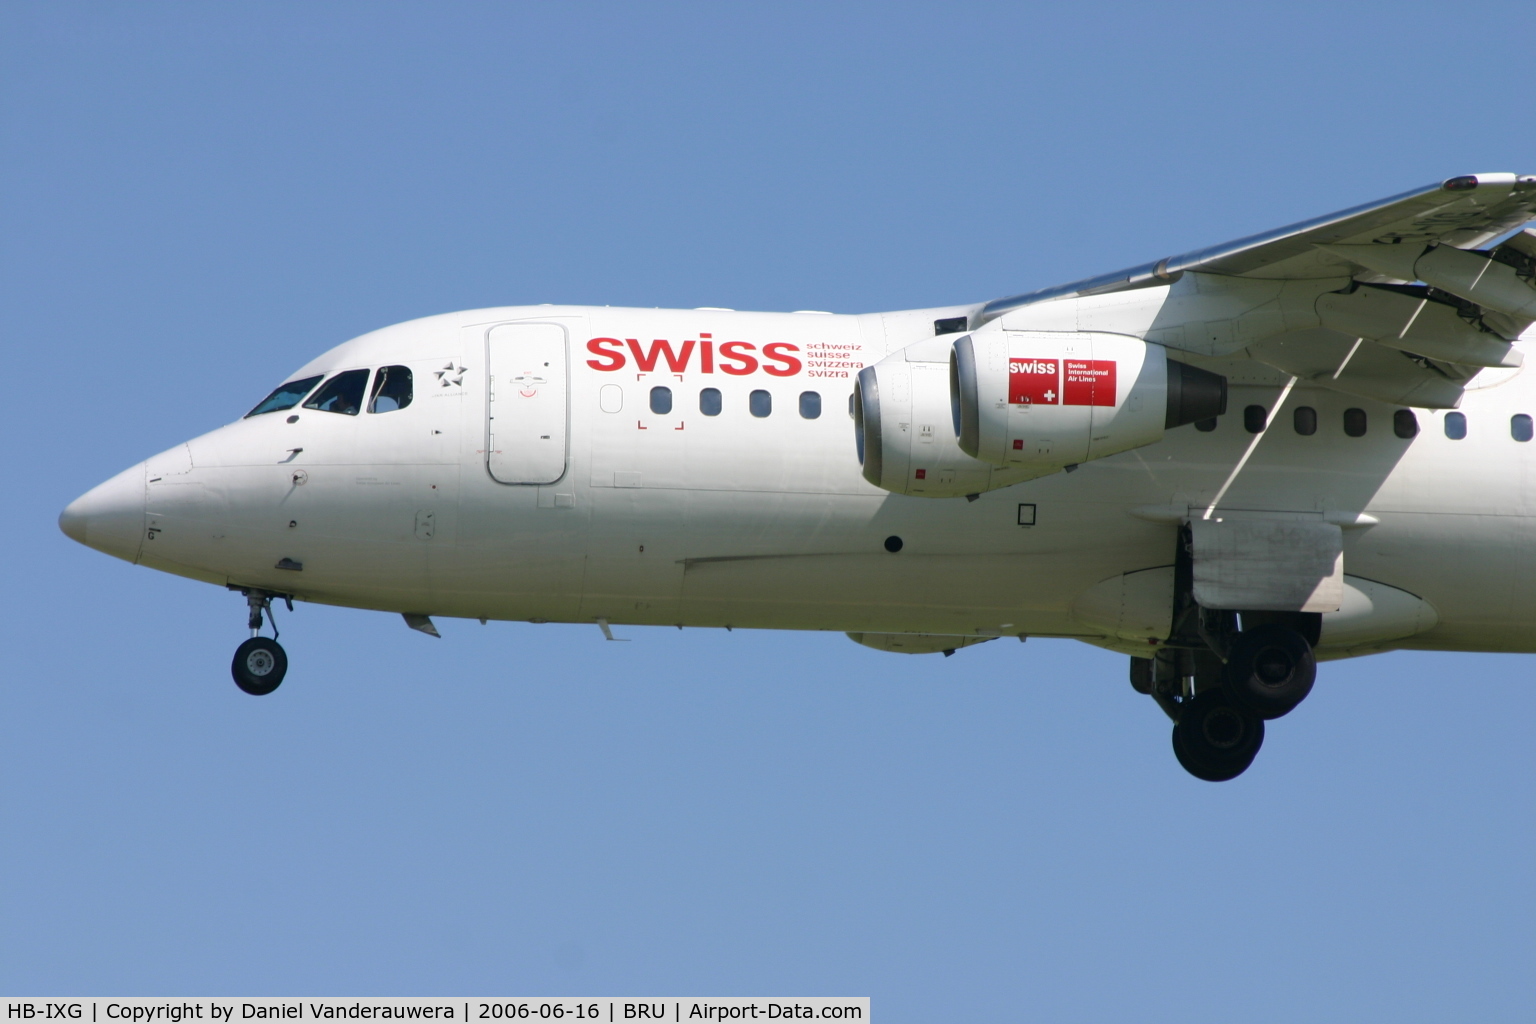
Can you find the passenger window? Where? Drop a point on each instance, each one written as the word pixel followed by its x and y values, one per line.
pixel 343 393
pixel 1206 426
pixel 761 404
pixel 1520 427
pixel 661 401
pixel 1254 418
pixel 709 401
pixel 391 389
pixel 810 405
pixel 1305 418
pixel 285 397
pixel 1405 424
pixel 1354 422
pixel 1455 425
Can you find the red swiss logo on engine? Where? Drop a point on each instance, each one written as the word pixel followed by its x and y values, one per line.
pixel 1034 382
pixel 1061 382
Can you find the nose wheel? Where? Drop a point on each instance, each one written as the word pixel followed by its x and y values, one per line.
pixel 260 663
pixel 259 666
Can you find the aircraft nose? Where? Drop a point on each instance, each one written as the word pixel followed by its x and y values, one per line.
pixel 110 516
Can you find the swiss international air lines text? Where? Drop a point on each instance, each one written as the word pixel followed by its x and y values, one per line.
pixel 1061 381
pixel 705 354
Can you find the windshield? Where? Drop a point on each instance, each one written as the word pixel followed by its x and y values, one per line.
pixel 391 389
pixel 343 393
pixel 285 397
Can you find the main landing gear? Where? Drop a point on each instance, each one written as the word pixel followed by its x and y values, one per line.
pixel 1219 709
pixel 1222 674
pixel 260 663
pixel 1270 669
pixel 1215 741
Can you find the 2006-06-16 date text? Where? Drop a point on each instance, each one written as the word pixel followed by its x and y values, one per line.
pixel 545 1011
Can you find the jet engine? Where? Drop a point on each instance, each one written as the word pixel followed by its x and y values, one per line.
pixel 902 426
pixel 1030 398
pixel 1010 406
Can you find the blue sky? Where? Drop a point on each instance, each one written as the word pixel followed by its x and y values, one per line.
pixel 199 198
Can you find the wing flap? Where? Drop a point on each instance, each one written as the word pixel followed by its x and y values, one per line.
pixel 1404 320
pixel 1358 366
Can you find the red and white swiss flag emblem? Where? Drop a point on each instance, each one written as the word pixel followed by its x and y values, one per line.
pixel 1034 382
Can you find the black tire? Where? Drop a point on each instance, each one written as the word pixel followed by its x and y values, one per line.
pixel 1198 768
pixel 1270 670
pixel 1215 740
pixel 259 666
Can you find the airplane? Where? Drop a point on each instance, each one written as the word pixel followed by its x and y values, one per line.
pixel 1308 444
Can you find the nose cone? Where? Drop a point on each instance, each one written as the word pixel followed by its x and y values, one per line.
pixel 110 516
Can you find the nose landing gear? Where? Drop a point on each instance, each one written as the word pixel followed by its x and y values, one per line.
pixel 260 663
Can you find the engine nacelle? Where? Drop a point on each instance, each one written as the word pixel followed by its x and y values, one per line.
pixel 1034 399
pixel 905 439
pixel 1011 406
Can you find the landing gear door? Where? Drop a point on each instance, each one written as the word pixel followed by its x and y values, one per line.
pixel 526 407
pixel 1268 565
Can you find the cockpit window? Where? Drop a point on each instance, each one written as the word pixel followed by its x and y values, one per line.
pixel 285 397
pixel 343 393
pixel 391 389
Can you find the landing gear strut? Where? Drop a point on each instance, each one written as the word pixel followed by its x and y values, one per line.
pixel 260 663
pixel 1220 683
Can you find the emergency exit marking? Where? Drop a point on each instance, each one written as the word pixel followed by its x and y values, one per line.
pixel 1026 515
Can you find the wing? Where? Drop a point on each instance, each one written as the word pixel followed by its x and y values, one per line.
pixel 1401 285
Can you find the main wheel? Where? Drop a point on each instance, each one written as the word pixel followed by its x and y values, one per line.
pixel 1214 740
pixel 259 666
pixel 1198 768
pixel 1271 670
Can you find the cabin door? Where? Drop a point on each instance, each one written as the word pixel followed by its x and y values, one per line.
pixel 526 409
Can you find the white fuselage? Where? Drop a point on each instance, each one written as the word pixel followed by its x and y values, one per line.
pixel 764 521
